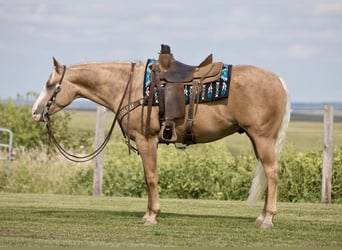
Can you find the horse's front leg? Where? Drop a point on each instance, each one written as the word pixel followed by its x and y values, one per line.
pixel 148 152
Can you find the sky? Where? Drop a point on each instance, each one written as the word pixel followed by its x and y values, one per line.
pixel 300 40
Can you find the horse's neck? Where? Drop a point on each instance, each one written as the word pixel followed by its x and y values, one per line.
pixel 103 83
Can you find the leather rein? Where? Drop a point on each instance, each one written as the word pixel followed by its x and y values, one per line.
pixel 121 112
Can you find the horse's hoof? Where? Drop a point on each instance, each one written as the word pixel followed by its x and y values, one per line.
pixel 150 222
pixel 266 226
pixel 259 220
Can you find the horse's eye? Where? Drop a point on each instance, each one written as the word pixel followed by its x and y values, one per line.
pixel 49 85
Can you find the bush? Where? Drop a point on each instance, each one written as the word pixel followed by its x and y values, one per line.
pixel 30 134
pixel 301 176
pixel 206 178
pixel 37 172
pixel 17 118
pixel 336 192
pixel 185 176
pixel 201 177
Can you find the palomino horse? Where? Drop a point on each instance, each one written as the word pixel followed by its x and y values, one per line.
pixel 258 105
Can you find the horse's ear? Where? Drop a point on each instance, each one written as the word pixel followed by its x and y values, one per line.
pixel 58 66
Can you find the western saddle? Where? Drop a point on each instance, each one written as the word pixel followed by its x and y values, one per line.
pixel 169 77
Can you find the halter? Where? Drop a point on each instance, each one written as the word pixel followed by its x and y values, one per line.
pixel 92 155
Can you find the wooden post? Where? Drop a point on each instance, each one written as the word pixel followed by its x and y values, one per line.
pixel 99 137
pixel 327 153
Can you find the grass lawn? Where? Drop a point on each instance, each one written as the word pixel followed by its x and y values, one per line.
pixel 36 220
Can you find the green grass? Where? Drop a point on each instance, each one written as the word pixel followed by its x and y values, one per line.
pixel 32 220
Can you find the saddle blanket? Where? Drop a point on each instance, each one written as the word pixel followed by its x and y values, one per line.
pixel 210 91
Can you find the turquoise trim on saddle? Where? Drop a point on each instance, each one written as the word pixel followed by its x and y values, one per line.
pixel 210 91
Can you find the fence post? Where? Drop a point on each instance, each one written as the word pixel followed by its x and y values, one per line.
pixel 327 153
pixel 98 163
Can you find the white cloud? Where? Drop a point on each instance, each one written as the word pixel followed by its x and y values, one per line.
pixel 239 14
pixel 153 19
pixel 328 8
pixel 2 46
pixel 302 51
pixel 233 32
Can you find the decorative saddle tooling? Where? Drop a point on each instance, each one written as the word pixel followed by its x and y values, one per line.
pixel 172 85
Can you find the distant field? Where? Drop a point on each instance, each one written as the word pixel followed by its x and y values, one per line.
pixel 305 132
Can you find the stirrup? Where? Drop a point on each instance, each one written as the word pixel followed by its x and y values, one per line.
pixel 168 132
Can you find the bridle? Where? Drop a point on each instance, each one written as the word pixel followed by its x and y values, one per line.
pixel 53 97
pixel 118 115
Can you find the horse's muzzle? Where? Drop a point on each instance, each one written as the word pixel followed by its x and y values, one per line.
pixel 38 116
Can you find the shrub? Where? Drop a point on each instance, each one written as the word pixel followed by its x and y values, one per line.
pixel 301 176
pixel 207 178
pixel 203 177
pixel 38 172
pixel 30 134
pixel 185 176
pixel 18 119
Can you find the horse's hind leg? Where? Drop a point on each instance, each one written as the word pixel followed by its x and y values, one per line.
pixel 265 151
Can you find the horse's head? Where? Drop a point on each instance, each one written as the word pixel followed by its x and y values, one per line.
pixel 56 94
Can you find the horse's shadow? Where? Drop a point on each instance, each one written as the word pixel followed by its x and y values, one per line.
pixel 135 215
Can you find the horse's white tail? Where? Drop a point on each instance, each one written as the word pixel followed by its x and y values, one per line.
pixel 259 183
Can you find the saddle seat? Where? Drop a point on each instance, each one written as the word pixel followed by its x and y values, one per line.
pixel 173 71
pixel 169 76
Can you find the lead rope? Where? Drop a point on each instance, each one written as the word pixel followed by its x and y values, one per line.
pixel 92 155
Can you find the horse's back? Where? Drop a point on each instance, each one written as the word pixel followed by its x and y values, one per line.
pixel 255 83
